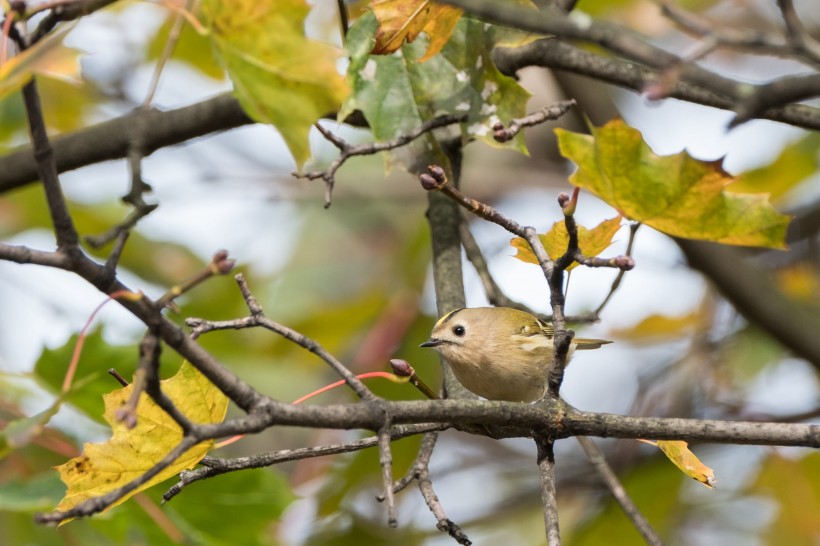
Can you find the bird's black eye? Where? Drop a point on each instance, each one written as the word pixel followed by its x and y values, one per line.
pixel 459 330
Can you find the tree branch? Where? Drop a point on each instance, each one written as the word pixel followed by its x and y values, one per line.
pixel 215 466
pixel 154 129
pixel 347 150
pixel 444 219
pixel 555 54
pixel 751 292
pixel 258 319
pixel 549 498
pixel 639 521
pixel 550 419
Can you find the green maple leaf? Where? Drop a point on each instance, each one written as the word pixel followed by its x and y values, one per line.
pixel 676 194
pixel 280 77
pixel 398 93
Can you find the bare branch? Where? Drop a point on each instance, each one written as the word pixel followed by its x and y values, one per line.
pixel 548 113
pixel 64 230
pixel 258 319
pixel 220 264
pixel 633 229
pixel 66 11
pixel 112 139
pixel 639 521
pixel 134 197
pixel 749 289
pixel 348 151
pixel 494 293
pixel 555 54
pixel 751 40
pixel 796 33
pixel 386 463
pixel 420 471
pixel 214 466
pixel 549 499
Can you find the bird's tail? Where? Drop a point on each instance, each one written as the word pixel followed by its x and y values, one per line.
pixel 583 343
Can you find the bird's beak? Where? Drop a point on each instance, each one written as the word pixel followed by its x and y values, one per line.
pixel 432 342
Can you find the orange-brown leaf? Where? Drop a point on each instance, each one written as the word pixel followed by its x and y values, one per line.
pixel 403 20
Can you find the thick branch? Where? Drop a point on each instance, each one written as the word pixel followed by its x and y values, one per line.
pixel 750 290
pixel 552 53
pixel 444 219
pixel 98 276
pixel 153 128
pixel 550 419
pixel 507 419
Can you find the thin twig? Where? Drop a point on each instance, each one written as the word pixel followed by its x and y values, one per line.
pixel 65 11
pixel 134 197
pixel 347 150
pixel 420 471
pixel 170 45
pixel 633 229
pixel 549 499
pixel 548 113
pixel 220 264
pixel 214 466
pixel 146 379
pixel 436 180
pixel 116 375
pixel 402 368
pixel 639 521
pixel 386 463
pixel 64 230
pixel 494 294
pixel 258 319
pixel 748 39
pixel 113 259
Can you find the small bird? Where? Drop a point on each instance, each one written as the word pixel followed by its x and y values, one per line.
pixel 500 353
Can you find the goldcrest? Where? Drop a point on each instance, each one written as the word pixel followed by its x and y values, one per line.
pixel 498 352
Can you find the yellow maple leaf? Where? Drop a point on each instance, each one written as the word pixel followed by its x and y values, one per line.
pixel 404 20
pixel 129 453
pixel 678 452
pixel 676 194
pixel 591 241
pixel 279 76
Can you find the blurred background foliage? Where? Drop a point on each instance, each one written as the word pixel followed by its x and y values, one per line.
pixel 356 278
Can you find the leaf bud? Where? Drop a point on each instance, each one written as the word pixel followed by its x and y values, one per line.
pixel 402 368
pixel 625 263
pixel 221 262
pixel 438 173
pixel 428 182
